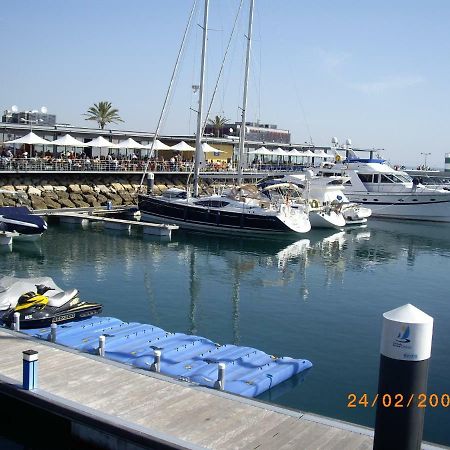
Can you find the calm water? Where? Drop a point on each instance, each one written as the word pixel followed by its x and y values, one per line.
pixel 320 298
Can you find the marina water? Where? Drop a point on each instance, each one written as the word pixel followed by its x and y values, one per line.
pixel 320 297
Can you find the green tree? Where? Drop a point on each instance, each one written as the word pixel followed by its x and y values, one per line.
pixel 103 113
pixel 218 123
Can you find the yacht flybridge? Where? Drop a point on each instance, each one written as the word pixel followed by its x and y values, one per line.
pixel 389 193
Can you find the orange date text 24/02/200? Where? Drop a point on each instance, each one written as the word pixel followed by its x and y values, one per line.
pixel 393 400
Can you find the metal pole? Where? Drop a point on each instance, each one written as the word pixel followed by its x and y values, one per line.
pixel 220 383
pixel 16 323
pixel 30 369
pixel 150 182
pixel 402 384
pixel 198 139
pixel 244 100
pixel 101 345
pixel 156 366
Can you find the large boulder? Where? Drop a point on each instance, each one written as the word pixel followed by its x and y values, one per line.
pixel 47 188
pixel 8 201
pixel 62 194
pixel 51 204
pixel 81 204
pixel 66 203
pixel 33 191
pixel 85 189
pixel 37 202
pixel 75 188
pixel 60 188
pixel 116 199
pixel 102 199
pixel 103 189
pixel 8 187
pixel 51 195
pixel 77 197
pixel 117 187
pixel 91 199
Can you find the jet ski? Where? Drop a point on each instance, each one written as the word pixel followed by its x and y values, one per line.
pixel 18 219
pixel 41 307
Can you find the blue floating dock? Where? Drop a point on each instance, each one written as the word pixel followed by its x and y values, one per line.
pixel 249 372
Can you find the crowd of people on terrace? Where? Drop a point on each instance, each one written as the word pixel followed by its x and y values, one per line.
pixel 71 161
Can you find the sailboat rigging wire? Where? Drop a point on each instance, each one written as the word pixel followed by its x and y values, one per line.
pixel 222 66
pixel 169 91
pixel 301 105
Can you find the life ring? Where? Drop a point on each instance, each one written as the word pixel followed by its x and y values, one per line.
pixel 314 203
pixel 337 158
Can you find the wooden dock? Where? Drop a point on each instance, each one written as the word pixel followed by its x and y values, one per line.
pixel 149 406
pixel 115 406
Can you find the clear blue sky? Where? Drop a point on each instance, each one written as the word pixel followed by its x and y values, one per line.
pixel 375 72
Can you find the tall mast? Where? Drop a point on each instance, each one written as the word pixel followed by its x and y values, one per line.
pixel 198 140
pixel 244 101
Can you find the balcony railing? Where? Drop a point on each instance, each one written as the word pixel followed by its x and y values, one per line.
pixel 95 165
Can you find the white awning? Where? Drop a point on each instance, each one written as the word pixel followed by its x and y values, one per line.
pixel 182 147
pixel 208 149
pixel 158 146
pixel 279 152
pixel 68 141
pixel 260 151
pixel 129 143
pixel 101 142
pixel 30 138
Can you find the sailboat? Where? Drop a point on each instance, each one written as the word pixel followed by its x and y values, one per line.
pixel 244 209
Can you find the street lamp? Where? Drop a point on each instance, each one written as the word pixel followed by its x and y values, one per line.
pixel 425 154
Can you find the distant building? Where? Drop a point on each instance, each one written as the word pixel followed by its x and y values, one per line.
pixel 255 132
pixel 29 117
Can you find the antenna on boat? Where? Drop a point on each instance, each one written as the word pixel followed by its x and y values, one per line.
pixel 244 100
pixel 198 138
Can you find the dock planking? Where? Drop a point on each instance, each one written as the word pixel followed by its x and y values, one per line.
pixel 197 416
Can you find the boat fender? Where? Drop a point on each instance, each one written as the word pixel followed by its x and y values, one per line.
pixel 315 203
pixel 337 158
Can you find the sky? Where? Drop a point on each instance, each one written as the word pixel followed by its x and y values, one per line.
pixel 374 72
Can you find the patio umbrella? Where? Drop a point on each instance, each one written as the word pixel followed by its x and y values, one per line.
pixel 129 143
pixel 182 147
pixel 208 149
pixel 322 154
pixel 294 152
pixel 68 141
pixel 158 146
pixel 30 139
pixel 101 142
pixel 260 151
pixel 279 152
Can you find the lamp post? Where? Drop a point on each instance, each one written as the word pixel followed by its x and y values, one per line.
pixel 425 154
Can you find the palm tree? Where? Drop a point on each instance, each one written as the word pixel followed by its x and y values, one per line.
pixel 103 113
pixel 218 123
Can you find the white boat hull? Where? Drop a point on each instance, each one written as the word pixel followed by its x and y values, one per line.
pixel 321 219
pixel 408 207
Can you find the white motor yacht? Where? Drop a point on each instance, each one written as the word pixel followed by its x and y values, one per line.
pixel 329 207
pixel 389 193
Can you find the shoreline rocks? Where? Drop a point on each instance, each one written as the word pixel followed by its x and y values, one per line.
pixel 87 190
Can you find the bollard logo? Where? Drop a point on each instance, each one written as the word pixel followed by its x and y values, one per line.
pixel 403 336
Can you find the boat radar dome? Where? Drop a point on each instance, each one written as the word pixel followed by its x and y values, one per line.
pixel 348 142
pixel 334 140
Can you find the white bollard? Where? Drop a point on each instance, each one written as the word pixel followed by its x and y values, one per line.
pixel 405 355
pixel 16 323
pixel 53 328
pixel 101 345
pixel 220 383
pixel 156 366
